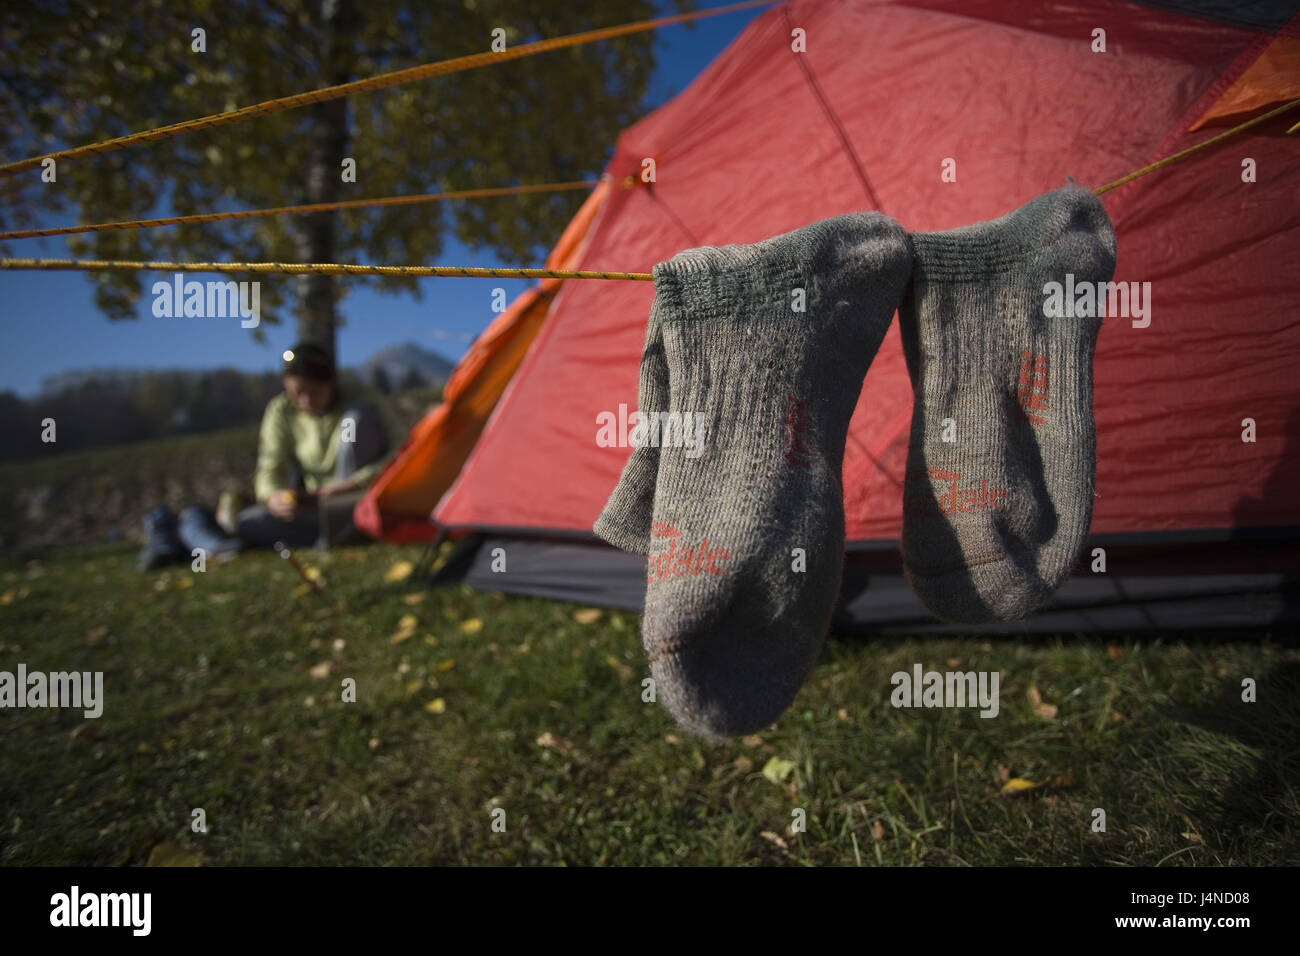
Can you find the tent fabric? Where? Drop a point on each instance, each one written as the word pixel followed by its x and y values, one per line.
pixel 397 504
pixel 1271 80
pixel 1257 593
pixel 1013 93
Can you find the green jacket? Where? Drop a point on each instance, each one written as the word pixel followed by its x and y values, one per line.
pixel 290 436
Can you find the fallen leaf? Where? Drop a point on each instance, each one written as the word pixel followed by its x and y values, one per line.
pixel 413 686
pixel 954 662
pixel 743 764
pixel 1193 836
pixel 415 598
pixel 430 640
pixel 321 670
pixel 1063 781
pixel 400 571
pixel 311 573
pixel 1003 774
pixel 169 854
pixel 671 739
pixel 448 664
pixel 777 769
pixel 1018 785
pixel 551 741
pixel 877 830
pixel 1114 651
pixel 374 743
pixel 472 626
pixel 842 714
pixel 436 706
pixel 771 837
pixel 753 740
pixel 405 628
pixel 588 615
pixel 96 635
pixel 7 597
pixel 1046 711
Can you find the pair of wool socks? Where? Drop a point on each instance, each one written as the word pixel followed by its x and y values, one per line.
pixel 763 350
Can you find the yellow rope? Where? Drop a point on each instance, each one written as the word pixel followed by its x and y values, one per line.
pixel 1192 149
pixel 314 268
pixel 380 82
pixel 304 268
pixel 295 210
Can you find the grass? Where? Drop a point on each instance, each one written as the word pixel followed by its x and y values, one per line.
pixel 223 692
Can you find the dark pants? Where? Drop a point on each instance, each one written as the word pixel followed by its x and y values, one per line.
pixel 332 519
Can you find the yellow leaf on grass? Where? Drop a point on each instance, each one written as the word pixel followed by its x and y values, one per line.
pixel 777 769
pixel 1046 711
pixel 416 598
pixel 405 628
pixel 1018 785
pixel 311 573
pixel 775 838
pixel 588 615
pixel 169 854
pixel 448 664
pixel 436 706
pixel 7 597
pixel 400 571
pixel 472 626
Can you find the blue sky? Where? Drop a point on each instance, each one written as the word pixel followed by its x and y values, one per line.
pixel 61 329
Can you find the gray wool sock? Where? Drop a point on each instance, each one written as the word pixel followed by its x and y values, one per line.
pixel 994 517
pixel 625 521
pixel 767 346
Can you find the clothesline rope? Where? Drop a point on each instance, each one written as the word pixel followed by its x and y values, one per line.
pixel 313 268
pixel 370 84
pixel 1181 154
pixel 301 210
pixel 304 268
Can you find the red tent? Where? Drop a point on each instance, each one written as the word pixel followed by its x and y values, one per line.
pixel 1015 96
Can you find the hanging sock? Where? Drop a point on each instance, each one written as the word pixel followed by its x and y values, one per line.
pixel 1002 459
pixel 766 348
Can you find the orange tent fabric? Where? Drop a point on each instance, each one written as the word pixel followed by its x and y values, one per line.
pixel 398 504
pixel 1271 80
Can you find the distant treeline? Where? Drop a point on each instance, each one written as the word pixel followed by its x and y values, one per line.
pixel 114 409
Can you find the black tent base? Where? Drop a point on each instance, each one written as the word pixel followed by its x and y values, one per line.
pixel 1169 582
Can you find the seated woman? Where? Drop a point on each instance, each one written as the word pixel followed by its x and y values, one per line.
pixel 320 446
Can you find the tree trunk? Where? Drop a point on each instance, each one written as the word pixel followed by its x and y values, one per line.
pixel 331 133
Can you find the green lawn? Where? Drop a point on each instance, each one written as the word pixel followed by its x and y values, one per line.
pixel 222 692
